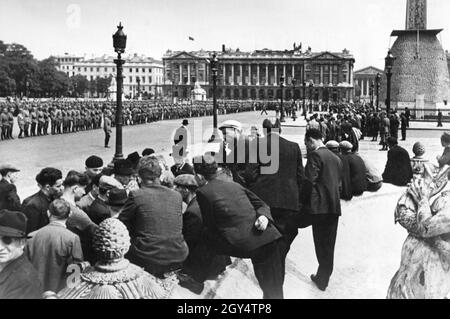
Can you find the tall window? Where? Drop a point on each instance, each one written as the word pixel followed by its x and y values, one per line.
pixel 131 70
pixel 137 70
pixel 143 70
pixel 149 79
pixel 92 69
pixel 143 79
pixel 106 69
pixel 131 79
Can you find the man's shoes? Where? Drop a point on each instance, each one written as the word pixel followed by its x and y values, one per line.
pixel 321 287
pixel 190 283
pixel 107 146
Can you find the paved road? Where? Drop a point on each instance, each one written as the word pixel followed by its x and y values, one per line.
pixel 368 245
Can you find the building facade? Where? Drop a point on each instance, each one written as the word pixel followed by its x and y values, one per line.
pixel 364 79
pixel 141 74
pixel 323 76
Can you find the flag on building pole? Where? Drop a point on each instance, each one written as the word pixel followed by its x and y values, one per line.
pixel 191 38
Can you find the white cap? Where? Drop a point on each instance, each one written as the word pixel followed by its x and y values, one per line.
pixel 231 124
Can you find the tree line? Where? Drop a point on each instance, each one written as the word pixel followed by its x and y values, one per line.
pixel 22 75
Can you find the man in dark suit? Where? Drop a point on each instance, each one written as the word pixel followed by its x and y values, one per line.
pixel 36 206
pixel 239 224
pixel 202 262
pixel 398 169
pixel 181 139
pixel 323 177
pixel 346 181
pixel 357 168
pixel 8 191
pixel 153 216
pixel 280 186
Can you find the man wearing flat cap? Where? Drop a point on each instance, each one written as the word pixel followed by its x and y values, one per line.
pixel 8 191
pixel 99 210
pixel 18 278
pixel 346 185
pixel 357 168
pixel 202 263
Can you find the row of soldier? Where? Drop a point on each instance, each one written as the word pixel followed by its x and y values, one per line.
pixel 36 118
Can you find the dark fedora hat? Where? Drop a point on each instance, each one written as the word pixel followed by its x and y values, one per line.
pixel 185 122
pixel 123 167
pixel 13 224
pixel 117 197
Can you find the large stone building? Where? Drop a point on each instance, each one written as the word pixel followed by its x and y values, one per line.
pixel 420 77
pixel 138 71
pixel 256 75
pixel 364 79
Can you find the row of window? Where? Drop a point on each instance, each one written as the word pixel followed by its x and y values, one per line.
pixel 106 69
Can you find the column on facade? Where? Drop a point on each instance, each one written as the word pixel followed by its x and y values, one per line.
pixel 196 72
pixel 275 75
pixel 181 75
pixel 232 74
pixel 347 76
pixel 351 74
pixel 267 75
pixel 293 71
pixel 284 72
pixel 331 74
pixel 249 75
pixel 241 75
pixel 257 73
pixel 321 74
pixel 206 79
pixel 224 74
pixel 189 73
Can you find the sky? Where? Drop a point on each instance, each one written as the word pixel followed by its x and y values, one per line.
pixel 51 27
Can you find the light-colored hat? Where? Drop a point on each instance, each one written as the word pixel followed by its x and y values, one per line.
pixel 332 144
pixel 231 124
pixel 109 182
pixel 346 145
pixel 186 180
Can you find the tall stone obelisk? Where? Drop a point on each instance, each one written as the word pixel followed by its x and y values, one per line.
pixel 420 74
pixel 416 15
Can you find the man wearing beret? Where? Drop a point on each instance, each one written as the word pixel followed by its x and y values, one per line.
pixel 18 278
pixel 8 191
pixel 94 166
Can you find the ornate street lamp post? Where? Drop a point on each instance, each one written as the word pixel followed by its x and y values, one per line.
pixel 120 43
pixel 371 94
pixel 304 99
pixel 311 86
pixel 214 64
pixel 282 116
pixel 377 81
pixel 389 63
pixel 294 81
